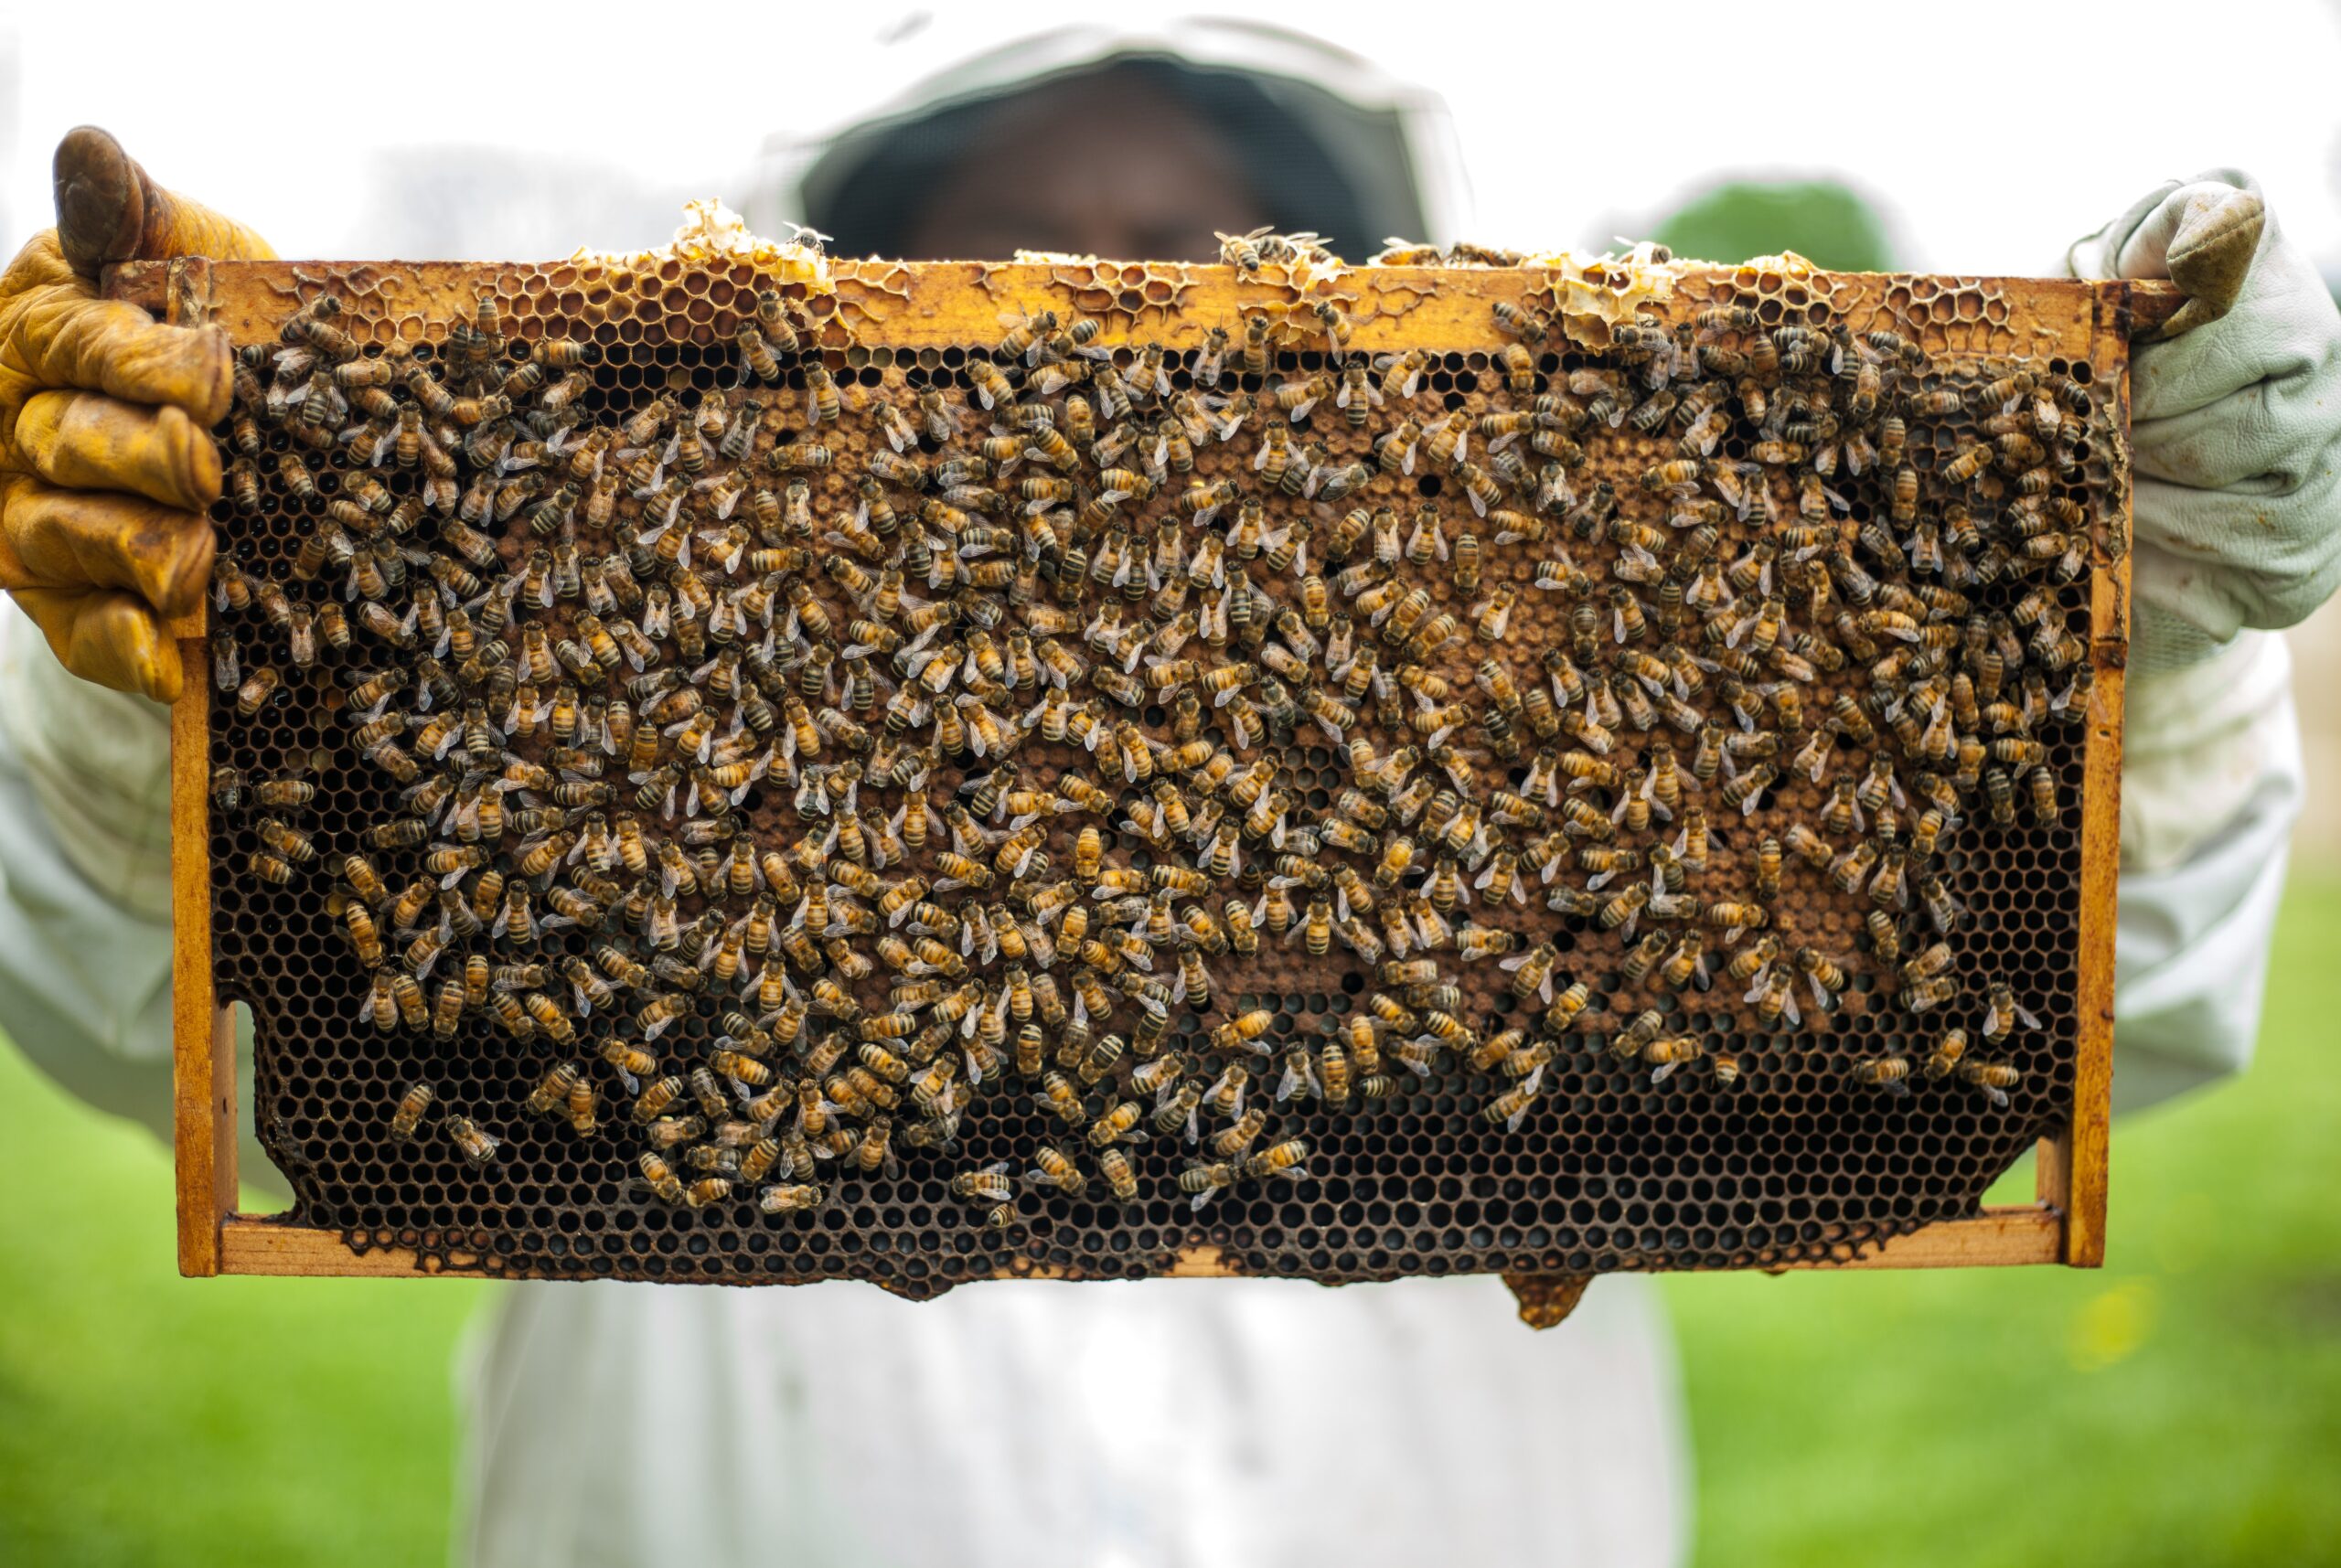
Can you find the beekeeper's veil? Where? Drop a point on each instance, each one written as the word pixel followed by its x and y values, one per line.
pixel 1329 142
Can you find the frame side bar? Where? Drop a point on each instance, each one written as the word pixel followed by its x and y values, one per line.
pixel 2087 1139
pixel 203 1033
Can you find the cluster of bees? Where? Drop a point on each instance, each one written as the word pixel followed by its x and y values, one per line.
pixel 784 806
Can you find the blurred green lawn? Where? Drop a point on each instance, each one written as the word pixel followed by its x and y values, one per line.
pixel 2182 1407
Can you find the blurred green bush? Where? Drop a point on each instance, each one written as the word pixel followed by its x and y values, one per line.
pixel 1821 220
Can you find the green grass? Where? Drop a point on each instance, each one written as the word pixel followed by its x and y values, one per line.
pixel 150 1419
pixel 2183 1405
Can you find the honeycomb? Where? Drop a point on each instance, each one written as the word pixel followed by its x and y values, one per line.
pixel 1767 1143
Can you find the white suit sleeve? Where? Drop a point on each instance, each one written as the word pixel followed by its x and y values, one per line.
pixel 2235 423
pixel 85 874
pixel 2211 784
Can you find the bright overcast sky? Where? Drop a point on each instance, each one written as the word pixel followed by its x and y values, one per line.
pixel 1989 134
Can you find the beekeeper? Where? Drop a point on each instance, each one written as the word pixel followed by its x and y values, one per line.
pixel 1163 1422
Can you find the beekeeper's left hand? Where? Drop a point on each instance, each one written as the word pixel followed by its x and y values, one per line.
pixel 106 458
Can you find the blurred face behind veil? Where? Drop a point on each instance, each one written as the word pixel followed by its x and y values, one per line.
pixel 1110 163
pixel 1127 144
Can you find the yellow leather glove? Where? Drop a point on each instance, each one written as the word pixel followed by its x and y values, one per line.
pixel 107 464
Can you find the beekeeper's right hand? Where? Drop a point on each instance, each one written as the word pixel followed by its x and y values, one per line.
pixel 2235 422
pixel 106 461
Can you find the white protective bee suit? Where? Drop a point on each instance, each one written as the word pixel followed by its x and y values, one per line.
pixel 1214 1422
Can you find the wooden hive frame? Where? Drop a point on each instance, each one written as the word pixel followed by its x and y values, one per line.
pixel 938 305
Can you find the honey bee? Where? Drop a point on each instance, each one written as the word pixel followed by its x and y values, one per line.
pixel 1994 1078
pixel 1053 1167
pixel 1891 1073
pixel 476 1145
pixel 1512 1107
pixel 1632 1041
pixel 1684 963
pixel 1828 981
pixel 406 1116
pixel 660 1177
pixel 2003 1013
pixel 1059 1097
pixel 1948 1049
pixel 1665 1055
pixel 871 1152
pixel 790 1198
pixel 1527 325
pixel 1625 908
pixel 1204 1182
pixel 1278 1160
